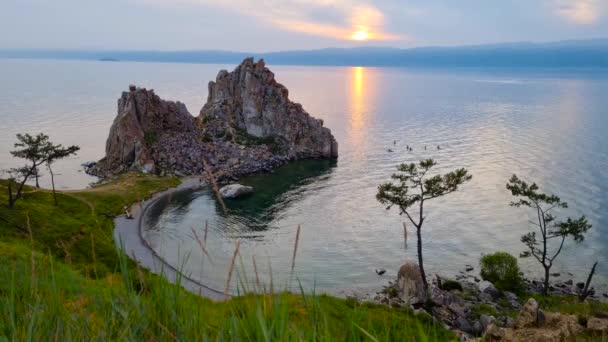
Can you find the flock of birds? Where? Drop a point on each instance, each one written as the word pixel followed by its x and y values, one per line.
pixel 409 148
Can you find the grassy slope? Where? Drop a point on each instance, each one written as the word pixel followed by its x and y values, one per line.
pixel 69 283
pixel 50 300
pixel 71 230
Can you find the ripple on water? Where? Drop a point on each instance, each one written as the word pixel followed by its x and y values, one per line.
pixel 546 127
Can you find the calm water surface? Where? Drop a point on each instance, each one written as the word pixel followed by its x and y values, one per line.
pixel 546 126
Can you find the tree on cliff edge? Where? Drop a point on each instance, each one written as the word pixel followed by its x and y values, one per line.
pixel 33 149
pixel 37 150
pixel 528 195
pixel 54 153
pixel 413 188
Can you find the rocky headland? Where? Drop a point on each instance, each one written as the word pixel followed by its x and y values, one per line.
pixel 247 125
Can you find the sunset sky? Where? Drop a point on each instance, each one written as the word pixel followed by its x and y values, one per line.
pixel 271 25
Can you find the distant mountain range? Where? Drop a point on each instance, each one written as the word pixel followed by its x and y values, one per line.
pixel 562 54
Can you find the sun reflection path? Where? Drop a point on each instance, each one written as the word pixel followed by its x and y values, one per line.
pixel 359 95
pixel 357 117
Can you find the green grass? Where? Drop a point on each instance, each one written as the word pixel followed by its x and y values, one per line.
pixel 80 222
pixel 68 282
pixel 44 298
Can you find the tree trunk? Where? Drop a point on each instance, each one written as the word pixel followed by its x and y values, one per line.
pixel 53 184
pixel 422 273
pixel 36 175
pixel 11 202
pixel 546 283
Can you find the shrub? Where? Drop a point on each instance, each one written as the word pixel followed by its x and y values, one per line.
pixel 502 270
pixel 449 285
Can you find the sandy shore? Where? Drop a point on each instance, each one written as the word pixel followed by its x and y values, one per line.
pixel 128 232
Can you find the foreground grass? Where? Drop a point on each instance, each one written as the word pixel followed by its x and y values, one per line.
pixel 62 279
pixel 45 299
pixel 80 223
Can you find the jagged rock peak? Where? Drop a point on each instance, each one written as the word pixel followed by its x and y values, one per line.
pixel 143 120
pixel 249 101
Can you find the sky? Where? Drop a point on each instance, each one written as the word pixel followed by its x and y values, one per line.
pixel 278 25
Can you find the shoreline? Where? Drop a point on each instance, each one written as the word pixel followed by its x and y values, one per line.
pixel 128 237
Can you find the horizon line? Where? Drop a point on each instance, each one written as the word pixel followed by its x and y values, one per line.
pixel 491 44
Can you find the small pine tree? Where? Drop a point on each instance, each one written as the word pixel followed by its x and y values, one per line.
pixel 549 228
pixel 37 150
pixel 413 189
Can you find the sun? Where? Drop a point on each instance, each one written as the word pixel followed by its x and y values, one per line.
pixel 360 35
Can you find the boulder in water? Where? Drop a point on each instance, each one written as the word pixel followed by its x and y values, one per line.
pixel 235 191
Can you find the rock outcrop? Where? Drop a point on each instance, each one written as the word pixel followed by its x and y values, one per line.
pixel 249 101
pixel 409 284
pixel 598 325
pixel 532 324
pixel 143 122
pixel 469 311
pixel 247 125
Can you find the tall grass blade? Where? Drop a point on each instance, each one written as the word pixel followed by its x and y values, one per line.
pixel 293 258
pixel 236 252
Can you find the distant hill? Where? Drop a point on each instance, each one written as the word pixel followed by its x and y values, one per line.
pixel 563 54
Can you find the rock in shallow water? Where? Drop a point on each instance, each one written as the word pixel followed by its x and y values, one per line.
pixel 235 191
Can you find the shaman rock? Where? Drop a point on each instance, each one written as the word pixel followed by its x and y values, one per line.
pixel 249 103
pixel 248 125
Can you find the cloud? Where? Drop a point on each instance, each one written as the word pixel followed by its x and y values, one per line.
pixel 339 19
pixel 583 12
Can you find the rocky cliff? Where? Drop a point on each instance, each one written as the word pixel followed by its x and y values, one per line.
pixel 143 123
pixel 247 125
pixel 249 101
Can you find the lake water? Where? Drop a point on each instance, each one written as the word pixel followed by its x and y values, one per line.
pixel 547 126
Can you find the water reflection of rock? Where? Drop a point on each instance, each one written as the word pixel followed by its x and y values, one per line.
pixel 177 202
pixel 247 217
pixel 274 194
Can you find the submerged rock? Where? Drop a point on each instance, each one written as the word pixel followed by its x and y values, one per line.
pixel 235 190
